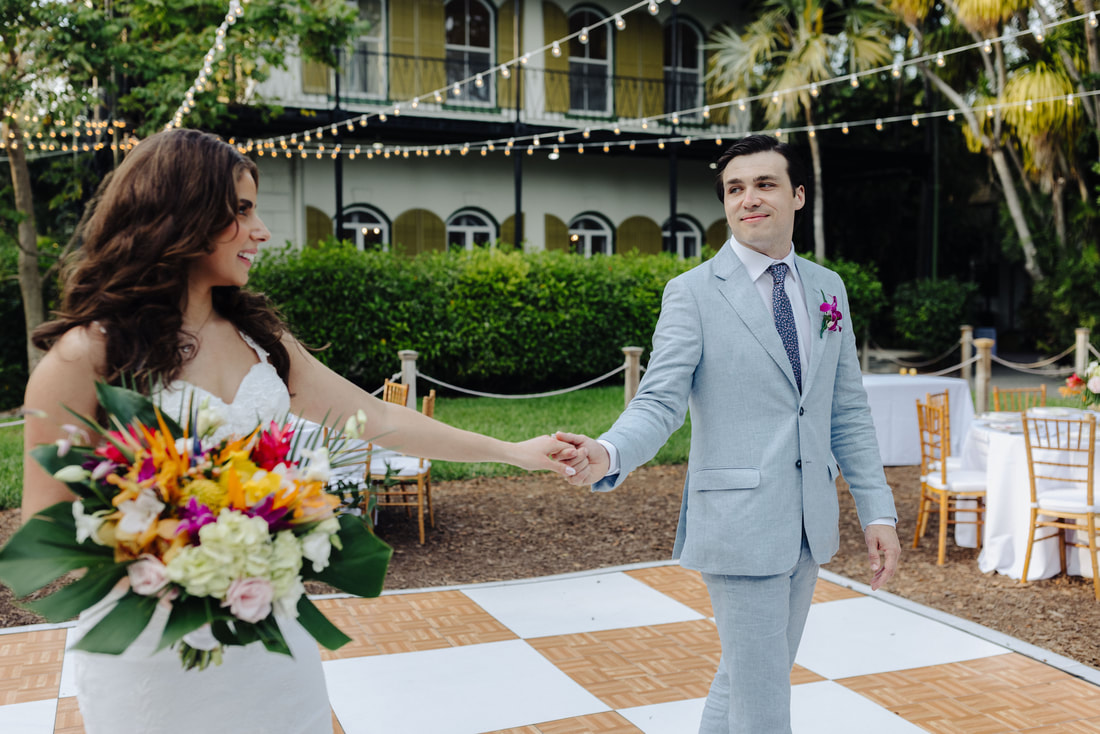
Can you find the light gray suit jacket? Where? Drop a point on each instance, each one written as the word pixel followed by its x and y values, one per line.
pixel 763 459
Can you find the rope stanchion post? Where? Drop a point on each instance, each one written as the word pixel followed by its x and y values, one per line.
pixel 633 372
pixel 967 342
pixel 1081 357
pixel 408 373
pixel 984 346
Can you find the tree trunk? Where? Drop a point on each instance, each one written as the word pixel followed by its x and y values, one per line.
pixel 30 282
pixel 1016 210
pixel 819 196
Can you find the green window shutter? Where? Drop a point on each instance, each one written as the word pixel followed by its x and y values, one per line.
pixel 557 234
pixel 717 233
pixel 316 78
pixel 556 82
pixel 430 47
pixel 318 226
pixel 652 64
pixel 418 230
pixel 508 230
pixel 641 234
pixel 628 71
pixel 719 115
pixel 506 88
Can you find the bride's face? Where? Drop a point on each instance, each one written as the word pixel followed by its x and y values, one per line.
pixel 235 247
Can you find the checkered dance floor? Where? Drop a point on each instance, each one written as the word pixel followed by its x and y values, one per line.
pixel 622 650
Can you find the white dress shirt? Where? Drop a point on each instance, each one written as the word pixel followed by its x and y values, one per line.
pixel 756 265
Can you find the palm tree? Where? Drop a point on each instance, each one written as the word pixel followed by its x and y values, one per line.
pixel 793 45
pixel 1022 141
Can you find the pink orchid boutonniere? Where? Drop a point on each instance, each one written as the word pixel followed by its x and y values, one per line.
pixel 831 315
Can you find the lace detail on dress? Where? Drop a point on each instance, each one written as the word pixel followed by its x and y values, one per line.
pixel 261 396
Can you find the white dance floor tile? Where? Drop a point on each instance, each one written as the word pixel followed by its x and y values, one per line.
pixel 459 690
pixel 68 677
pixel 35 717
pixel 825 707
pixel 863 636
pixel 676 717
pixel 579 604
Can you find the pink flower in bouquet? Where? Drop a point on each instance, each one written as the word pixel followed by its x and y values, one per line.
pixel 249 599
pixel 147 575
pixel 272 447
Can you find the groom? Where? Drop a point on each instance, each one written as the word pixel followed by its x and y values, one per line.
pixel 777 401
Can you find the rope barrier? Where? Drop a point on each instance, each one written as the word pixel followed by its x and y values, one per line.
pixel 1060 372
pixel 19 422
pixel 904 363
pixel 1040 363
pixel 960 365
pixel 562 391
pixel 1093 350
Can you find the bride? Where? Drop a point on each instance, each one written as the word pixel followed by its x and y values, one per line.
pixel 156 294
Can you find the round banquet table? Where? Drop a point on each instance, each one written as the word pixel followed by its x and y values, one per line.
pixel 998 449
pixel 893 400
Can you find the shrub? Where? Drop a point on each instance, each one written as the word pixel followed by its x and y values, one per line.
pixel 492 319
pixel 927 313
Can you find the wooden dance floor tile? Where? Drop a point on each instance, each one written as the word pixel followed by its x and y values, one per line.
pixel 683 585
pixel 605 723
pixel 828 591
pixel 30 665
pixel 69 720
pixel 1003 693
pixel 410 622
pixel 638 666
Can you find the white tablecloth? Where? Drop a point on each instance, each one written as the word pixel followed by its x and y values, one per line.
pixel 893 400
pixel 1003 457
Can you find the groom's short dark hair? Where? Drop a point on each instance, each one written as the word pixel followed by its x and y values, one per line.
pixel 796 171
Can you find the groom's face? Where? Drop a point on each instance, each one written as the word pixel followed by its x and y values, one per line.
pixel 760 203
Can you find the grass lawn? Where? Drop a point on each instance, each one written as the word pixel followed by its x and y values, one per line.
pixel 590 411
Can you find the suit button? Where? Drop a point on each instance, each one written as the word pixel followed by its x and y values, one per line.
pixel 798 464
pixel 802 411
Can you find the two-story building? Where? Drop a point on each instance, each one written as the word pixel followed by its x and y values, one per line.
pixel 442 140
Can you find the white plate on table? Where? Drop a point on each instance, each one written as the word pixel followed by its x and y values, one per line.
pixel 1055 412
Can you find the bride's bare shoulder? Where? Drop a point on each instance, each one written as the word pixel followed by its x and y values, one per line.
pixel 81 349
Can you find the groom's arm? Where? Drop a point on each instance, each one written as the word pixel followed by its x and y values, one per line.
pixel 660 405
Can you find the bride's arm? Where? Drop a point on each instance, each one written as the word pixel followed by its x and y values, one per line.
pixel 316 391
pixel 64 378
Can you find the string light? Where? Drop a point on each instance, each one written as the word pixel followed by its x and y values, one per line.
pixel 583 37
pixel 556 49
pixel 854 81
pixel 653 7
pixel 813 89
pixel 620 22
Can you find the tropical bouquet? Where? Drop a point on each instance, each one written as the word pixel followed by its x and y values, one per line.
pixel 222 532
pixel 1086 387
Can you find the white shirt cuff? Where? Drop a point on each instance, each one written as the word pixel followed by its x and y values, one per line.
pixel 884 521
pixel 612 457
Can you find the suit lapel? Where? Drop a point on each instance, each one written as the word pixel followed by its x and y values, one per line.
pixel 740 292
pixel 814 287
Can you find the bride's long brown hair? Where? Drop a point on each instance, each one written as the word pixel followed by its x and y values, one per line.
pixel 128 265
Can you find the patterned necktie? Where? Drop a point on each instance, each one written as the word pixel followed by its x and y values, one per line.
pixel 784 320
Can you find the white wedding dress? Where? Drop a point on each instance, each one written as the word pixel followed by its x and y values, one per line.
pixel 253 690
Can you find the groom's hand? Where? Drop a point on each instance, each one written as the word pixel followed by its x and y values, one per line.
pixel 883 550
pixel 591 461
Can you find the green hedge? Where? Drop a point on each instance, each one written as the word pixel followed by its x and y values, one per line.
pixel 927 313
pixel 494 319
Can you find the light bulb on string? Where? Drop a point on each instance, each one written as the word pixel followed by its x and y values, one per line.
pixel 631 145
pixel 896 71
pixel 775 97
pixel 617 130
pixel 951 115
pixel 586 134
pixel 415 102
pixel 1027 105
pixel 561 137
pixel 620 22
pixel 397 110
pixel 813 89
pixel 381 116
pixel 1069 100
pixel 653 7
pixel 583 37
pixel 987 47
pixel 661 144
pixel 811 133
pixel 555 49
pixel 580 148
pixel 940 61
pixel 854 81
pixel 844 128
pixel 456 90
pixel 675 119
pixel 878 124
pixel 438 98
pixel 606 148
pixel 536 141
pixel 505 71
pixel 741 105
pixel 478 81
pixel 706 112
pixel 1037 31
pixel 718 141
pixel 645 124
pixel 915 120
pixel 687 141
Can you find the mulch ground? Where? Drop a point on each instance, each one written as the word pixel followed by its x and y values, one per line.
pixel 521 527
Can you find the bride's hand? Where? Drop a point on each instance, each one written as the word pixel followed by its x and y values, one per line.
pixel 544 453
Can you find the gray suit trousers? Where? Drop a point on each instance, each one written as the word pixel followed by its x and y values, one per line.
pixel 760 621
